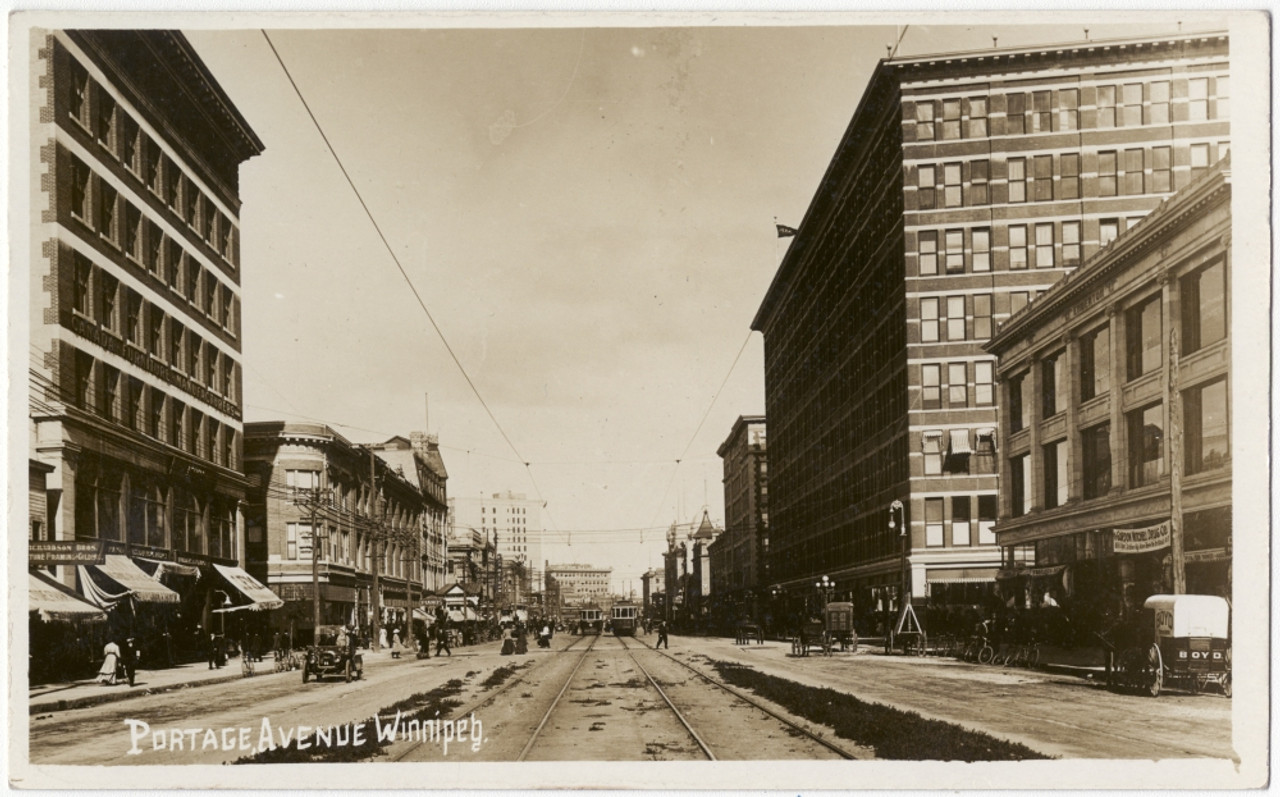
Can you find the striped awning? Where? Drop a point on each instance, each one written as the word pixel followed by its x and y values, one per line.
pixel 251 589
pixel 117 578
pixel 53 601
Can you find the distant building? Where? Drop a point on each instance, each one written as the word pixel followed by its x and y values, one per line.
pixel 418 459
pixel 966 186
pixel 515 521
pixel 1116 470
pixel 579 584
pixel 739 572
pixel 135 352
pixel 473 560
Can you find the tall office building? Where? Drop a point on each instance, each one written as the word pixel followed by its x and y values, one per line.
pixel 965 186
pixel 515 521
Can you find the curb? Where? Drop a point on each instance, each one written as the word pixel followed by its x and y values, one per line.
pixel 86 702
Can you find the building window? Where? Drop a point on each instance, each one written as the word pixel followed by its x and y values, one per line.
pixel 129 144
pixel 926 187
pixel 132 232
pixel 931 446
pixel 1158 110
pixel 155 324
pixel 1041 112
pixel 1070 243
pixel 954 241
pixel 1222 89
pixel 79 189
pixel 960 521
pixel 952 193
pixel 955 320
pixel 1044 245
pixel 78 106
pixel 1069 175
pixel 1016 119
pixel 987 506
pixel 1161 169
pixel 978 116
pixel 1019 407
pixel 924 121
pixel 1108 231
pixel 298 480
pixel 1142 337
pixel 979 175
pixel 1056 474
pixel 981 316
pixel 1052 386
pixel 1131 105
pixel 957 385
pixel 1017 246
pixel 1133 182
pixel 950 119
pixel 107 301
pixel 1095 363
pixel 155 250
pixel 177 435
pixel 1146 445
pixel 1205 410
pixel 191 283
pixel 177 337
pixel 155 414
pixel 1017 179
pixel 84 380
pixel 1199 158
pixel 1106 106
pixel 1107 174
pixel 1204 307
pixel 133 404
pixel 983 383
pixel 1019 484
pixel 1069 109
pixel 1042 166
pixel 107 212
pixel 931 386
pixel 981 249
pixel 106 118
pixel 1198 99
pixel 929 321
pixel 133 318
pixel 1095 447
pixel 933 521
pixel 82 293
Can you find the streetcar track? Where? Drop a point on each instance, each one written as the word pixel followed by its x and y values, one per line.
pixel 840 751
pixel 706 749
pixel 491 696
pixel 538 730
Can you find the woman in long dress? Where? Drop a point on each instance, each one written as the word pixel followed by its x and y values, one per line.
pixel 110 658
pixel 396 647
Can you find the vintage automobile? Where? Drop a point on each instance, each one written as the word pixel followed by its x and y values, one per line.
pixel 327 657
pixel 1185 641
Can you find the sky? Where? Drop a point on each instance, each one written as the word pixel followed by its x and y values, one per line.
pixel 587 213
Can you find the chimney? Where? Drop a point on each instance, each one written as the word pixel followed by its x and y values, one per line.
pixel 423 442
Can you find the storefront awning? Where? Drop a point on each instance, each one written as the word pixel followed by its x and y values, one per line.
pixel 118 577
pixel 960 442
pixel 158 568
pixel 260 598
pixel 458 615
pixel 931 442
pixel 53 601
pixel 419 614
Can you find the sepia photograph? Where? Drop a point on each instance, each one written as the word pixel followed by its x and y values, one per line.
pixel 677 400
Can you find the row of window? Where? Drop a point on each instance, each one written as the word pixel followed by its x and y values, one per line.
pixel 1050 244
pixel 98 205
pixel 123 312
pixel 1045 178
pixel 966 527
pixel 957 388
pixel 128 401
pixel 953 452
pixel 1123 105
pixel 1204 321
pixel 1206 446
pixel 336 546
pixel 96 111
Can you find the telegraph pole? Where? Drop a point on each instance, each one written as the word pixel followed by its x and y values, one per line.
pixel 375 530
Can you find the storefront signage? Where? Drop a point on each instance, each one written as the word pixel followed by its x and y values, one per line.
pixel 45 553
pixel 1040 572
pixel 1152 538
pixel 1210 555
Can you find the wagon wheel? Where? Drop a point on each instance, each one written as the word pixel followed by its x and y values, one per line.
pixel 1131 667
pixel 1155 672
pixel 306 673
pixel 346 671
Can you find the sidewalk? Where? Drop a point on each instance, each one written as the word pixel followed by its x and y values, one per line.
pixel 44 698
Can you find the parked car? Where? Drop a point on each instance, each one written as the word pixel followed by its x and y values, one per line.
pixel 334 653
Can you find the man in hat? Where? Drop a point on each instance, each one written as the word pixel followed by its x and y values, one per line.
pixel 129 659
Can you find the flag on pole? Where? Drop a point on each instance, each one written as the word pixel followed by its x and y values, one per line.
pixel 784 231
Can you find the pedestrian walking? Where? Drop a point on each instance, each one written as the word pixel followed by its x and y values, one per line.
pixel 129 659
pixel 382 637
pixel 442 639
pixel 213 651
pixel 396 647
pixel 110 658
pixel 662 636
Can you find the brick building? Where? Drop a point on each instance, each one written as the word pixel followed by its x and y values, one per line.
pixel 1116 473
pixel 739 556
pixel 135 358
pixel 514 521
pixel 965 186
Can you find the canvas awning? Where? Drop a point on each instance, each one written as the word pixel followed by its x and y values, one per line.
pixel 118 577
pixel 161 567
pixel 53 601
pixel 960 442
pixel 260 598
pixel 931 442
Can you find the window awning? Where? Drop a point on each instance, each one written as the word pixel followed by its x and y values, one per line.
pixel 118 577
pixel 960 442
pixel 931 442
pixel 260 598
pixel 160 567
pixel 53 601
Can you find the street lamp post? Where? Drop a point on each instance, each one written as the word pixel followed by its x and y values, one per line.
pixel 824 586
pixel 898 521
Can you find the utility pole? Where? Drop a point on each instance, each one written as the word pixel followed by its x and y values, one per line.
pixel 312 498
pixel 375 531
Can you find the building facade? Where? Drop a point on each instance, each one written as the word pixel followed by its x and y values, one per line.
pixel 965 186
pixel 739 572
pixel 474 562
pixel 515 522
pixel 580 584
pixel 135 358
pixel 1116 474
pixel 418 459
pixel 326 513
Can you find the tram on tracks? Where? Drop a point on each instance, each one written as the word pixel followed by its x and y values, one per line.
pixel 590 619
pixel 623 618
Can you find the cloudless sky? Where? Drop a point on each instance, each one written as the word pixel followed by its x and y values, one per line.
pixel 588 214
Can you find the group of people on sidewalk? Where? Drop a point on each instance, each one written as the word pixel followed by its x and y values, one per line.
pixel 119 664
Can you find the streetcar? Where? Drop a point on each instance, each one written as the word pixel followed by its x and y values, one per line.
pixel 624 618
pixel 590 620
